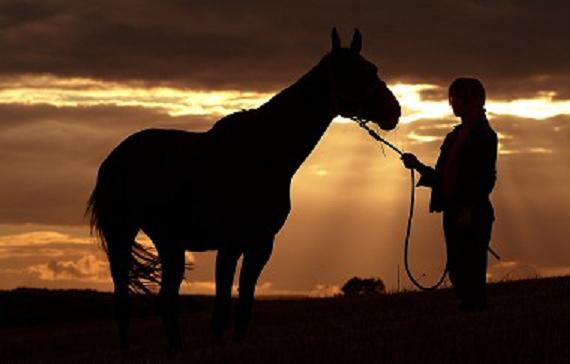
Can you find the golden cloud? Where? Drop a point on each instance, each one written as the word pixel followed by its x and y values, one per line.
pixel 41 238
pixel 87 268
pixel 86 92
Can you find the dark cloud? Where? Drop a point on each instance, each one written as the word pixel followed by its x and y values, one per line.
pixel 517 48
pixel 49 156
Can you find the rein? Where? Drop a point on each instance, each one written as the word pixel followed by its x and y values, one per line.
pixel 363 124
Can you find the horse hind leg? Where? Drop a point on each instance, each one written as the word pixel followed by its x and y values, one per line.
pixel 119 242
pixel 173 266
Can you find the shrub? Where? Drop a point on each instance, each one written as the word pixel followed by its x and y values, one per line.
pixel 363 287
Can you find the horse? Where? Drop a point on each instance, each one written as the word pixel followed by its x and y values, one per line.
pixel 226 189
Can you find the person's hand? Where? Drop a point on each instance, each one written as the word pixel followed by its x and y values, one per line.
pixel 410 161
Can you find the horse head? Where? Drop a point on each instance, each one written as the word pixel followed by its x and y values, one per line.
pixel 356 88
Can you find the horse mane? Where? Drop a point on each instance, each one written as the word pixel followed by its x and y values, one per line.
pixel 284 99
pixel 229 123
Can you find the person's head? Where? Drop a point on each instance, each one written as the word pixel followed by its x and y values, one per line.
pixel 467 96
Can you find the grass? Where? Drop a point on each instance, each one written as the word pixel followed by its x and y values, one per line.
pixel 528 322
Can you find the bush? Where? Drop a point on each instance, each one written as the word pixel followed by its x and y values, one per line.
pixel 363 287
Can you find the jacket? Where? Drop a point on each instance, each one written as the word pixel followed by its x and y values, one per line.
pixel 475 169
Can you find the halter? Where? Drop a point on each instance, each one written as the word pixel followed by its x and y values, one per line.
pixel 336 96
pixel 362 123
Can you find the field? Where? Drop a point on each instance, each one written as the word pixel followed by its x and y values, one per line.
pixel 528 322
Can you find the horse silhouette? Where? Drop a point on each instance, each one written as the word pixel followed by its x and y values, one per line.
pixel 226 189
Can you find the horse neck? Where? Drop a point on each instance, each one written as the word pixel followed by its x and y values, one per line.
pixel 298 116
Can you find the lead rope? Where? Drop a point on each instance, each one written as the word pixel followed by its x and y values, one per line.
pixel 362 123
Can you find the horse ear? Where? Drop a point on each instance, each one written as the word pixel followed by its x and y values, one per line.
pixel 356 44
pixel 335 39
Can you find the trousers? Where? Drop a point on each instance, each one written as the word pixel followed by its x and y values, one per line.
pixel 466 246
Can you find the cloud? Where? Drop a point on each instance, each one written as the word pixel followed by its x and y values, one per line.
pixel 42 238
pixel 515 47
pixel 40 256
pixel 28 248
pixel 85 92
pixel 31 253
pixel 48 256
pixel 264 288
pixel 87 268
pixel 49 156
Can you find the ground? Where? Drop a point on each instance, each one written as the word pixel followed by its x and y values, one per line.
pixel 528 322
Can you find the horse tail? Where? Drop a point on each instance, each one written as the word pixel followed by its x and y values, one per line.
pixel 92 212
pixel 112 221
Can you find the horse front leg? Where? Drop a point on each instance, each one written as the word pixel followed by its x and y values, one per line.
pixel 254 259
pixel 226 261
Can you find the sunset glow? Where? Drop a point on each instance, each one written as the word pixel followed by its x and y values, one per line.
pixel 85 92
pixel 345 176
pixel 177 182
pixel 343 160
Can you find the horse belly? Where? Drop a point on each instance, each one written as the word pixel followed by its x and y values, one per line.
pixel 193 237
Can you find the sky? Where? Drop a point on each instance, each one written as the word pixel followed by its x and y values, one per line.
pixel 77 78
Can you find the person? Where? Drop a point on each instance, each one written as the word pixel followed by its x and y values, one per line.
pixel 461 183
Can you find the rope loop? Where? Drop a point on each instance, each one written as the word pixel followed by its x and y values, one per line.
pixel 363 124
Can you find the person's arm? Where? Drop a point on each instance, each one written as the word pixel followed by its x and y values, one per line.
pixel 427 173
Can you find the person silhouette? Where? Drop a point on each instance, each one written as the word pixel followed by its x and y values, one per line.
pixel 461 183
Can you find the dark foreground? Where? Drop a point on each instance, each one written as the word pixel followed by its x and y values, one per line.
pixel 528 322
